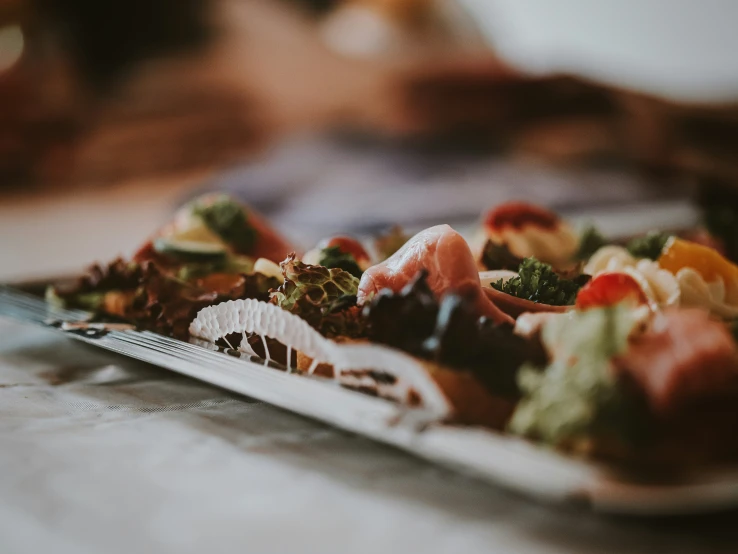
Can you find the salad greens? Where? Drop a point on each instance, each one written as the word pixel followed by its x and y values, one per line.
pixel 498 256
pixel 321 296
pixel 577 396
pixel 648 246
pixel 227 218
pixel 332 257
pixel 590 242
pixel 538 282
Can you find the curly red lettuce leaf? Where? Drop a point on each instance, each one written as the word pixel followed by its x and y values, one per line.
pixel 88 292
pixel 168 305
pixel 152 298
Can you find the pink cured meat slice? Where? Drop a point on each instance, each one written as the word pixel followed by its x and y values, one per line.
pixel 686 357
pixel 450 264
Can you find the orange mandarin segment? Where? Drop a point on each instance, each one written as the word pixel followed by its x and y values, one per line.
pixel 709 263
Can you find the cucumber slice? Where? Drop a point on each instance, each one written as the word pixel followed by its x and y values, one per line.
pixel 191 250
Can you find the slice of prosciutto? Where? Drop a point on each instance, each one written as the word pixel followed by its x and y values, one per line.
pixel 450 264
pixel 685 357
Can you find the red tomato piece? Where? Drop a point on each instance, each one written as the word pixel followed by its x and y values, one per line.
pixel 608 289
pixel 347 245
pixel 518 215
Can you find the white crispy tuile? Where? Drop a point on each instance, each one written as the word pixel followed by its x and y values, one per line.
pixel 261 318
pixel 410 373
pixel 267 320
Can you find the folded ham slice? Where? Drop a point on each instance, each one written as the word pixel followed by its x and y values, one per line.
pixel 686 357
pixel 450 264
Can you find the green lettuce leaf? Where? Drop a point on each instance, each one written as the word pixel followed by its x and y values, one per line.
pixel 325 298
pixel 333 258
pixel 577 396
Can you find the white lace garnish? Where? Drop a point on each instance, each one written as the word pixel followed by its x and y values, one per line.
pixel 252 317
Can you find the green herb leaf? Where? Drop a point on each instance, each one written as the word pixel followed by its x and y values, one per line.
pixel 538 282
pixel 648 246
pixel 227 218
pixel 332 257
pixel 590 242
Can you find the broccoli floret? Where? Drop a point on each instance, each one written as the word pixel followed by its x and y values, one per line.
pixel 590 242
pixel 648 246
pixel 227 219
pixel 332 257
pixel 538 282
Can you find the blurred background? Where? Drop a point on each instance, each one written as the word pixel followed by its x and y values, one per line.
pixel 352 115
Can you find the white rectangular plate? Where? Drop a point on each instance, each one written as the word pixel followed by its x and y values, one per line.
pixel 507 461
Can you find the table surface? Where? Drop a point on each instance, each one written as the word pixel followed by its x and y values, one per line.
pixel 99 453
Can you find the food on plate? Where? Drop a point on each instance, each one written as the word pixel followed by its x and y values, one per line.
pixel 527 231
pixel 712 267
pixel 390 242
pixel 620 350
pixel 590 241
pixel 214 250
pixel 539 283
pixel 214 233
pixel 618 391
pixel 611 289
pixel 450 265
pixel 340 252
pixel 649 246
pixel 325 298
